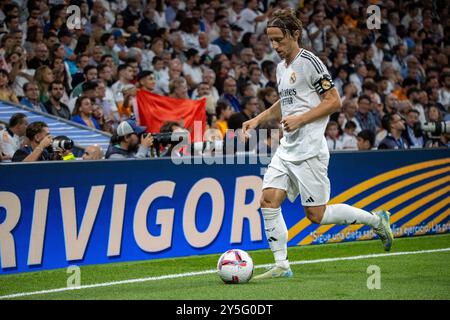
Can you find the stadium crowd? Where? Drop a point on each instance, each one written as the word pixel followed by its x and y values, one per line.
pixel 392 78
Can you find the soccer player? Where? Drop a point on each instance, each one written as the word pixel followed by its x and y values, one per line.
pixel 300 164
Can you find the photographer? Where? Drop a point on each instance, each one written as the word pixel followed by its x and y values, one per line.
pixel 394 125
pixel 40 148
pixel 125 142
pixel 62 147
pixel 413 133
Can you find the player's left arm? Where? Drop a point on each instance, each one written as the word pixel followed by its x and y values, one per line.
pixel 331 102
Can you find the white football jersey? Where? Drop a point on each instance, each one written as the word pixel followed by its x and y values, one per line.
pixel 300 86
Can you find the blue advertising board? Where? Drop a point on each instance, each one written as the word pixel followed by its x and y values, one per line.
pixel 56 214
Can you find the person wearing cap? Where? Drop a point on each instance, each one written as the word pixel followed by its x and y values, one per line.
pixel 120 47
pixel 125 142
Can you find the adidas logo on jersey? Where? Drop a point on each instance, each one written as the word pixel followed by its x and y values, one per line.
pixel 309 200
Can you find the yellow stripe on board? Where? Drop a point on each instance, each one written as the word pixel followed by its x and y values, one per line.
pixel 386 206
pixel 392 203
pixel 434 222
pixel 363 186
pixel 398 215
pixel 427 213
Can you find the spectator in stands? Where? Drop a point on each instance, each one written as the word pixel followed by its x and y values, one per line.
pixel 224 40
pixel 223 113
pixel 146 80
pixel 348 139
pixel 41 57
pixel 250 107
pixel 6 93
pixel 253 20
pixel 105 123
pixel 43 77
pixel 394 139
pixel 54 105
pixel 331 134
pixel 366 140
pixel 11 137
pixel 82 113
pixel 268 96
pixel 350 109
pixel 255 79
pixel 178 89
pixel 364 116
pixel 191 68
pixel 229 94
pixel 206 48
pixel 129 142
pixel 108 41
pixel 90 73
pixel 93 152
pixel 31 99
pixel 40 141
pixel 125 74
pixel 434 140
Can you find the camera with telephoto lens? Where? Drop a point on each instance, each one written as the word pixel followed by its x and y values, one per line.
pixel 436 128
pixel 62 143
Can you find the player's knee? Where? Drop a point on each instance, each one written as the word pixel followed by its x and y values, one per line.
pixel 266 202
pixel 314 215
pixel 314 218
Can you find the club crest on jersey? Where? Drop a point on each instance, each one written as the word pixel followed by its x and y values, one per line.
pixel 293 78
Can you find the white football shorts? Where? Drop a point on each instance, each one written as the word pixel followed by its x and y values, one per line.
pixel 309 178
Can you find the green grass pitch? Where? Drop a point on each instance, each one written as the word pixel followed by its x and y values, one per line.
pixel 412 276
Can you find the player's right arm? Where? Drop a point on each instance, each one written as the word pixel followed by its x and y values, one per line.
pixel 274 112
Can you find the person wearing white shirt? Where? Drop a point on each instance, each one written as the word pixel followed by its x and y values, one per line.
pixel 191 68
pixel 205 47
pixel 10 138
pixel 251 18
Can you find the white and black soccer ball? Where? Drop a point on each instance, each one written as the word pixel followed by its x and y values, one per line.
pixel 235 266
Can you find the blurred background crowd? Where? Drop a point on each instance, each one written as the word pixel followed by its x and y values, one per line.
pixel 393 79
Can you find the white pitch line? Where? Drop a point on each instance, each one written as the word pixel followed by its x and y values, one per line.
pixel 198 273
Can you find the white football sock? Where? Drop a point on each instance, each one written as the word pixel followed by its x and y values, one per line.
pixel 345 214
pixel 276 234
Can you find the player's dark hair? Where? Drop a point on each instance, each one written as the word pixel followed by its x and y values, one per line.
pixel 286 20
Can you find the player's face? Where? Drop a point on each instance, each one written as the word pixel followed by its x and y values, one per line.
pixel 283 44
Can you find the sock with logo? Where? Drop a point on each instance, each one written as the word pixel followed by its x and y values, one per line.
pixel 345 214
pixel 276 234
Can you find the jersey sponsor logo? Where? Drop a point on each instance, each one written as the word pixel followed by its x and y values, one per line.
pixel 287 92
pixel 293 78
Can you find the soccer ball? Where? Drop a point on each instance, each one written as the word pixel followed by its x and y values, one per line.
pixel 235 266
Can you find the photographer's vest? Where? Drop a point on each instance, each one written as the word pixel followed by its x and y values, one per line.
pixel 116 149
